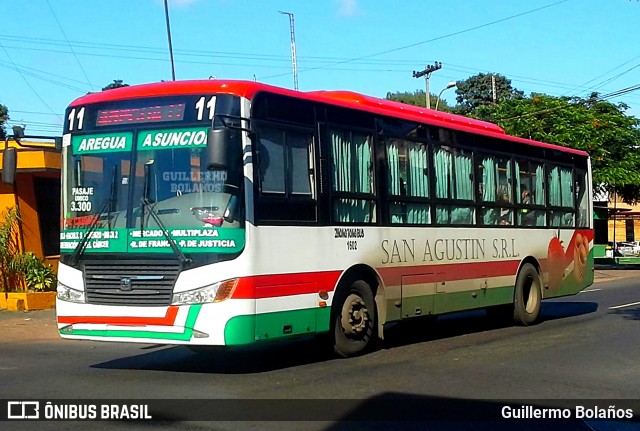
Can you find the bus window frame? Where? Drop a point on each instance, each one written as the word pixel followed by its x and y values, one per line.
pixel 334 194
pixel 265 199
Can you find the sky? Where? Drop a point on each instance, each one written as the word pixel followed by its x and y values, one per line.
pixel 54 51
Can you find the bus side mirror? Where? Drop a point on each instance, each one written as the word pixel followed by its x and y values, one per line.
pixel 218 142
pixel 9 164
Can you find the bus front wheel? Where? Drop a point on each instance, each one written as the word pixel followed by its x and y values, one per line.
pixel 354 320
pixel 528 295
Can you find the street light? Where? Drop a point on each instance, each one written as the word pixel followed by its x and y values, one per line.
pixel 449 85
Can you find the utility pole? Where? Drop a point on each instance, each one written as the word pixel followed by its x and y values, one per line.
pixel 166 15
pixel 293 49
pixel 427 74
pixel 493 89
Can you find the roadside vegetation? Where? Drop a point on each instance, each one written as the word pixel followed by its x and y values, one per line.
pixel 592 124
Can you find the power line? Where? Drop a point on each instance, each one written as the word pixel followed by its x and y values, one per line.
pixel 64 78
pixel 621 92
pixel 27 82
pixel 613 78
pixel 34 75
pixel 607 81
pixel 253 65
pixel 69 44
pixel 264 58
pixel 144 58
pixel 36 124
pixel 413 45
pixel 32 112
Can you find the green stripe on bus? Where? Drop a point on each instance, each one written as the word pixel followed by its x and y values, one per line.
pixel 185 335
pixel 268 326
pixel 458 301
pixel 448 302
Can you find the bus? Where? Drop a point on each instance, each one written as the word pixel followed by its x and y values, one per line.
pixel 226 213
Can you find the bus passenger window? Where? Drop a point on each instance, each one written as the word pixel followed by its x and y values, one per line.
pixel 352 165
pixel 408 178
pixel 560 186
pixel 530 184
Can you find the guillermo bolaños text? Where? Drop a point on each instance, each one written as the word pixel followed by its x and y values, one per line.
pixel 580 412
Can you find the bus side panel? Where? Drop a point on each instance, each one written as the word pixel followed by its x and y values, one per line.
pixel 286 305
pixel 569 265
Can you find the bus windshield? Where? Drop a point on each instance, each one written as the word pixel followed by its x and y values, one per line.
pixel 141 189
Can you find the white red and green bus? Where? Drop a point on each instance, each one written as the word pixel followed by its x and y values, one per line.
pixel 225 213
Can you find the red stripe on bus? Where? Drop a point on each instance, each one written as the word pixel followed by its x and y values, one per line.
pixel 275 285
pixel 168 319
pixel 448 272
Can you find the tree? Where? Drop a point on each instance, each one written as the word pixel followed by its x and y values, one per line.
pixel 478 91
pixel 593 125
pixel 117 83
pixel 4 116
pixel 417 98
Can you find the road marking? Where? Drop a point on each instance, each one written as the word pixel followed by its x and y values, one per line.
pixel 624 305
pixel 590 290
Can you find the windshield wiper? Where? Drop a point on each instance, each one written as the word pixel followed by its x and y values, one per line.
pixel 146 202
pixel 172 243
pixel 106 205
pixel 112 195
pixel 145 192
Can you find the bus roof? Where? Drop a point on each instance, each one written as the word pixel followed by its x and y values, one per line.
pixel 345 99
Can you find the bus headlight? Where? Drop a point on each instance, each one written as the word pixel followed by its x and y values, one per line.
pixel 65 293
pixel 216 292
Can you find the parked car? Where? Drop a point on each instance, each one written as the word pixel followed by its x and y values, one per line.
pixel 635 245
pixel 625 248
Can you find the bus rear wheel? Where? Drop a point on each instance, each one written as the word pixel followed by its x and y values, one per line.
pixel 528 295
pixel 354 320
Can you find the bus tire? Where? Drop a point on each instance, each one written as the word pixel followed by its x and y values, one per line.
pixel 527 296
pixel 354 320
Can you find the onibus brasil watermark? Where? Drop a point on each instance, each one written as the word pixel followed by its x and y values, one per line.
pixel 37 410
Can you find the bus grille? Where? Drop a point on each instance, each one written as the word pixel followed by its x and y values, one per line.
pixel 130 283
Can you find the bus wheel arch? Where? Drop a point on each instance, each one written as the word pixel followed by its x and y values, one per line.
pixel 355 313
pixel 528 291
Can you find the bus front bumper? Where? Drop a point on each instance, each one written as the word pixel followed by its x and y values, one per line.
pixel 197 324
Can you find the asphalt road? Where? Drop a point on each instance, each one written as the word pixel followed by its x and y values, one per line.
pixel 585 347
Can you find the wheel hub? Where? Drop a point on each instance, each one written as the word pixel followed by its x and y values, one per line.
pixel 355 316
